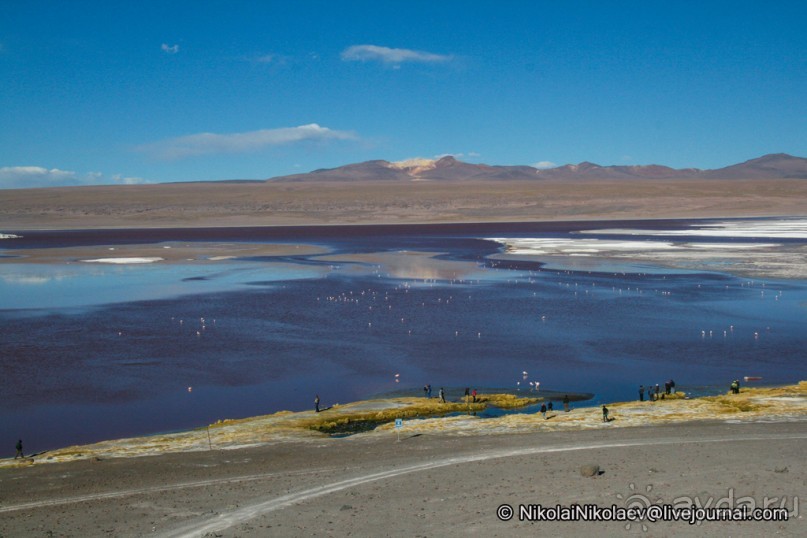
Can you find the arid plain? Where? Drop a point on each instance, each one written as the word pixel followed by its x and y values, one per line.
pixel 393 202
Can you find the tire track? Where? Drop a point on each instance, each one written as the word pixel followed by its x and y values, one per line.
pixel 152 489
pixel 227 520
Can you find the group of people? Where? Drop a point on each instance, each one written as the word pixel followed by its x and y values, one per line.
pixel 441 395
pixel 735 386
pixel 548 406
pixel 470 395
pixel 654 393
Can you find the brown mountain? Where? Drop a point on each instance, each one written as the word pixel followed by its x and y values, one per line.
pixel 446 168
pixel 774 166
pixel 586 170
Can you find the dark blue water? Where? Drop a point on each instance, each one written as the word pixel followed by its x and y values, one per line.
pixel 119 355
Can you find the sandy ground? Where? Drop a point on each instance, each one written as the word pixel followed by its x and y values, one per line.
pixel 267 204
pixel 424 485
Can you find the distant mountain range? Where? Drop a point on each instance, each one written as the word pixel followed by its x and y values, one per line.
pixel 773 166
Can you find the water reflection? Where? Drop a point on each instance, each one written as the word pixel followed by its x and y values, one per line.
pixel 45 287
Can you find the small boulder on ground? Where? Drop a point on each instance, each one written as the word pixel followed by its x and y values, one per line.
pixel 589 470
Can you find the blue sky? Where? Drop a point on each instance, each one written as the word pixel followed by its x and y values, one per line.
pixel 123 92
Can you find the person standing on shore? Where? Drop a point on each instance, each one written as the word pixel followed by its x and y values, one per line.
pixel 429 386
pixel 467 394
pixel 316 404
pixel 549 407
pixel 473 394
pixel 19 450
pixel 641 393
pixel 672 385
pixel 566 403
pixel 425 391
pixel 442 395
pixel 604 413
pixel 543 411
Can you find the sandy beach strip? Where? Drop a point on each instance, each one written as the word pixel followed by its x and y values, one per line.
pixel 166 252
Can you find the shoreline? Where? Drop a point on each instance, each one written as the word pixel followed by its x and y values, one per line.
pixel 786 403
pixel 562 221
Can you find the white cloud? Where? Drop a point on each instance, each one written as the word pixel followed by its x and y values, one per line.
pixel 543 165
pixel 210 143
pixel 120 179
pixel 386 55
pixel 19 177
pixel 26 177
pixel 170 49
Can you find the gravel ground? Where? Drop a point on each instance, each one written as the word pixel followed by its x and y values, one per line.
pixel 422 485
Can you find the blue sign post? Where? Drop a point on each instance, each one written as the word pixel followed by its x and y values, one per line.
pixel 398 426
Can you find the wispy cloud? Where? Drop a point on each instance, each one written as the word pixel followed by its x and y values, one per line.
pixel 270 59
pixel 170 49
pixel 212 143
pixel 543 165
pixel 25 177
pixel 17 177
pixel 470 154
pixel 125 180
pixel 386 55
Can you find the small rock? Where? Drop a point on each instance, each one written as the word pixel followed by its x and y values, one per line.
pixel 781 470
pixel 346 507
pixel 589 470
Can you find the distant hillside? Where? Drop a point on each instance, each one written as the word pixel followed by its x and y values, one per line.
pixel 446 168
pixel 774 166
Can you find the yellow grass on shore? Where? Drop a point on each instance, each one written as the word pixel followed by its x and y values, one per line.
pixel 787 403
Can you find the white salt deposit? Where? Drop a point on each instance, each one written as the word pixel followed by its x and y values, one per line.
pixel 584 247
pixel 545 246
pixel 124 260
pixel 794 228
pixel 730 246
pixel 10 236
pixel 758 259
